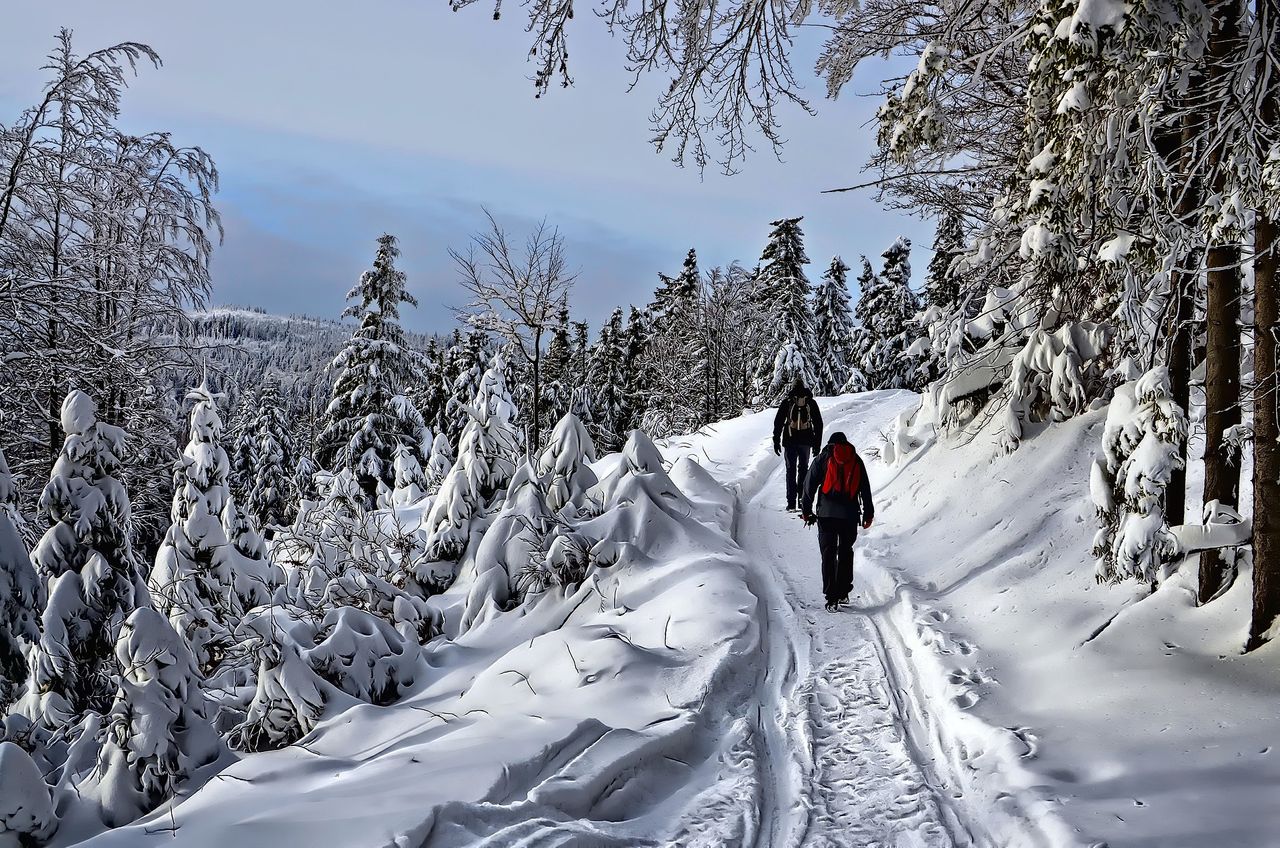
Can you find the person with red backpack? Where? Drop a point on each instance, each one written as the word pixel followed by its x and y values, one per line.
pixel 797 430
pixel 838 479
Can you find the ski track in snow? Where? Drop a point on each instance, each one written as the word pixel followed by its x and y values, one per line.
pixel 840 767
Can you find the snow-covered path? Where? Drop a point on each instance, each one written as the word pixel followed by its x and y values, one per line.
pixel 841 766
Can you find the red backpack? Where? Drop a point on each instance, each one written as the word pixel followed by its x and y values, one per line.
pixel 844 473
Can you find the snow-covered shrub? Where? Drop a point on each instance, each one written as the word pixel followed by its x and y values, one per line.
pixel 305 659
pixel 1142 444
pixel 90 569
pixel 1054 376
pixel 21 594
pixel 565 463
pixel 157 733
pixel 26 809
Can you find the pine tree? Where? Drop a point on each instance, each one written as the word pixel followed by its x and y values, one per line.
pixel 368 416
pixel 558 366
pixel 87 562
pixel 157 733
pixel 469 362
pixel 640 381
pixel 670 389
pixel 194 579
pixel 783 295
pixel 885 313
pixel 440 463
pixel 941 287
pixel 833 329
pixel 21 594
pixel 565 463
pixel 607 377
pixel 411 482
pixel 271 496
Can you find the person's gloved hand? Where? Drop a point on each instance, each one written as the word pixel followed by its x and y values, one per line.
pixel 777 448
pixel 866 525
pixel 808 520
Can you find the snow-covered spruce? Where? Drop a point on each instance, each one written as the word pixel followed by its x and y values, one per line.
pixel 783 294
pixel 21 594
pixel 271 497
pixel 1060 371
pixel 157 733
pixel 440 462
pixel 1142 444
pixel 487 453
pixel 369 416
pixel 411 482
pixel 565 463
pixel 833 330
pixel 885 313
pixel 193 582
pixel 89 567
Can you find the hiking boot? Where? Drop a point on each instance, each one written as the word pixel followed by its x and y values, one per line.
pixel 843 601
pixel 791 507
pixel 832 606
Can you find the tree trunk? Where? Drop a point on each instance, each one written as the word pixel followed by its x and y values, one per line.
pixel 1266 393
pixel 1182 331
pixel 1222 354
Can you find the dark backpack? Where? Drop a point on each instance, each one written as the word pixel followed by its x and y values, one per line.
pixel 798 419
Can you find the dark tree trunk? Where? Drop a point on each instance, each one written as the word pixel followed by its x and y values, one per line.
pixel 1266 393
pixel 1182 329
pixel 1222 310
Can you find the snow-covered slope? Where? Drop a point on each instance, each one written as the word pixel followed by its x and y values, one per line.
pixel 982 691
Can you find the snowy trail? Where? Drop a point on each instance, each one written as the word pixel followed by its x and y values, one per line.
pixel 841 768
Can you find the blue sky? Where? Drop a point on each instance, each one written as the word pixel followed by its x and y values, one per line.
pixel 334 122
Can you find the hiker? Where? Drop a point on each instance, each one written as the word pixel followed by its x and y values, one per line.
pixel 797 430
pixel 838 478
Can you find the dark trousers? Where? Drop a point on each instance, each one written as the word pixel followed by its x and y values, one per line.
pixel 797 460
pixel 835 539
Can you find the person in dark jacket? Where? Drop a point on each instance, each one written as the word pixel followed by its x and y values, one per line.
pixel 797 431
pixel 838 479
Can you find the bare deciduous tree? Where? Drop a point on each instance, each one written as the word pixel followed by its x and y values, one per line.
pixel 516 293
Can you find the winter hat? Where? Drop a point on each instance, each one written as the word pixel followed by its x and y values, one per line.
pixel 838 438
pixel 798 387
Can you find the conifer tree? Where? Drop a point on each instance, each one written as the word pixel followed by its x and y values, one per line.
pixel 270 498
pixel 193 582
pixel 639 386
pixel 368 416
pixel 21 593
pixel 941 287
pixel 87 562
pixel 833 329
pixel 469 363
pixel 558 366
pixel 783 295
pixel 885 312
pixel 607 377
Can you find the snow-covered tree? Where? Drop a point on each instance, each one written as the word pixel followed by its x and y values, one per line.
pixel 789 365
pixel 21 594
pixel 885 313
pixel 558 365
pixel 368 415
pixel 439 464
pixel 783 296
pixel 411 481
pixel 270 498
pixel 27 816
pixel 565 464
pixel 941 286
pixel 833 330
pixel 304 478
pixel 1141 445
pixel 89 567
pixel 468 361
pixel 666 358
pixel 158 732
pixel 610 407
pixel 193 582
pixel 487 452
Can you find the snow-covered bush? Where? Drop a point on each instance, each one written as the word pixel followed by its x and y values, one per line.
pixel 440 462
pixel 1142 444
pixel 21 594
pixel 565 463
pixel 307 659
pixel 26 809
pixel 157 733
pixel 411 483
pixel 90 569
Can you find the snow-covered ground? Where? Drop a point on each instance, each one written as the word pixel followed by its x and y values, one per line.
pixel 982 690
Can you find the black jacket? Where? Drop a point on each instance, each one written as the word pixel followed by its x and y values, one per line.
pixel 859 508
pixel 782 432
